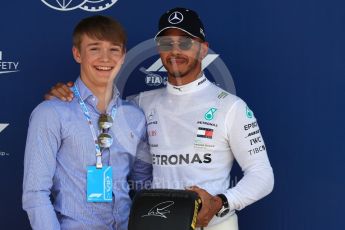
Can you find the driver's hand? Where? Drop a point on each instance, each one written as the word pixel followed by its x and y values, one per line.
pixel 60 91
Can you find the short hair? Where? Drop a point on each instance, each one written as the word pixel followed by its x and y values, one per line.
pixel 100 27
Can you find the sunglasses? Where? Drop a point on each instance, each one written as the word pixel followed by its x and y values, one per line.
pixel 105 140
pixel 184 43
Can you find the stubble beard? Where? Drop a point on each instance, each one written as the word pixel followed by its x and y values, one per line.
pixel 174 72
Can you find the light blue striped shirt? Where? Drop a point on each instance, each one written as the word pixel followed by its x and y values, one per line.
pixel 58 150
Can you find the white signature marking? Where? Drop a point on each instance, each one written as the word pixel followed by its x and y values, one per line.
pixel 160 209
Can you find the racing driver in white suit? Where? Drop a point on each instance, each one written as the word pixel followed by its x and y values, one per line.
pixel 196 130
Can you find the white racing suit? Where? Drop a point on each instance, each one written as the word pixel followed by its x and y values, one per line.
pixel 196 132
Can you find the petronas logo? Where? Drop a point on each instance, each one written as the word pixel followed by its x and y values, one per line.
pixel 249 113
pixel 210 114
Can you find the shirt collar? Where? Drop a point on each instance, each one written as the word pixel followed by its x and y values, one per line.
pixel 196 85
pixel 86 93
pixel 83 90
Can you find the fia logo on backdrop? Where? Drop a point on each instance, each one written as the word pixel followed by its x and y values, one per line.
pixel 6 66
pixel 87 5
pixel 155 79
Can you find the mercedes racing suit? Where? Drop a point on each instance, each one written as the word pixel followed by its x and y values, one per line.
pixel 196 131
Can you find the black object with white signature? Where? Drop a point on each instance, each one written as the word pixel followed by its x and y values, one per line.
pixel 164 209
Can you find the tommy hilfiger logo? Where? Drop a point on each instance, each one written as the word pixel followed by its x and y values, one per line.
pixel 205 133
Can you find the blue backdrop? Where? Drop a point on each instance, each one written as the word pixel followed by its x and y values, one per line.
pixel 287 59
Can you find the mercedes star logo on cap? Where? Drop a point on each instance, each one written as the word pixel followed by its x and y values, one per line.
pixel 175 18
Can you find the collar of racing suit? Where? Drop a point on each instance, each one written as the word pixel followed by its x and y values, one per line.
pixel 198 84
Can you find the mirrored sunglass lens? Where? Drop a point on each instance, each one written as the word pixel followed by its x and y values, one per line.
pixel 105 140
pixel 186 44
pixel 165 46
pixel 105 121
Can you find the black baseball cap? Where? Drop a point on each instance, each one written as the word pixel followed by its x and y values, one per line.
pixel 183 19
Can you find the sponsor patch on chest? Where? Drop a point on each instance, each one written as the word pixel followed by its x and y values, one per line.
pixel 204 132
